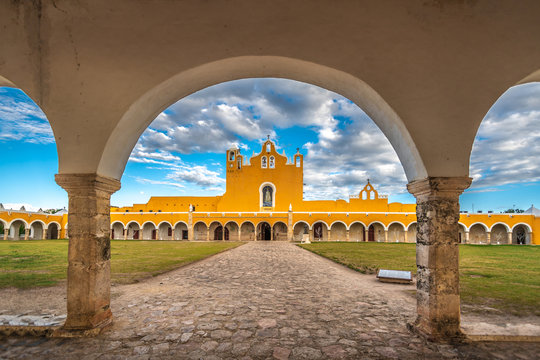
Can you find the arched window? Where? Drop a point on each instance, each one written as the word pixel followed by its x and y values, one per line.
pixel 268 147
pixel 239 163
pixel 231 156
pixel 267 194
pixel 272 162
pixel 264 165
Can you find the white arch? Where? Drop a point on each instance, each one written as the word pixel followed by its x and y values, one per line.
pixel 500 223
pixel 478 223
pixel 338 222
pixel 377 222
pixel 180 222
pixel 321 221
pixel 118 222
pixel 149 222
pixel 357 222
pixel 57 224
pixel 133 222
pixel 523 224
pixel 164 222
pixel 414 223
pixel 246 222
pixel 400 223
pixel 231 221
pixel 214 222
pixel 66 226
pixel 301 221
pixel 278 222
pixel 38 221
pixel 145 109
pixel 201 222
pixel 19 219
pixel 464 226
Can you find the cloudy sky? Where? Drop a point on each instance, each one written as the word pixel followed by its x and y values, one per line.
pixel 182 152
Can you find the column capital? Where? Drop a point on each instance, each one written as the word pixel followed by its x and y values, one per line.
pixel 87 182
pixel 439 187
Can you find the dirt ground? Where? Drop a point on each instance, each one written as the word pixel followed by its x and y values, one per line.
pixel 475 320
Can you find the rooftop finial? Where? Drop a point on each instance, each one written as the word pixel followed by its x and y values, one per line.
pixel 297 150
pixel 268 136
pixel 368 180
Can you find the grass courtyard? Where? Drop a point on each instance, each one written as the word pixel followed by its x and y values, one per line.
pixel 25 264
pixel 503 277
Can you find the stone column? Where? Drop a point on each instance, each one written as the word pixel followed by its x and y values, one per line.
pixel 329 234
pixel 45 231
pixel 509 237
pixel 467 237
pixel 437 252
pixel 125 233
pixel 208 234
pixel 239 233
pixel 366 235
pixel 311 237
pixel 488 237
pixel 406 234
pixel 347 236
pixel 385 235
pixel 89 252
pixel 190 225
pixel 271 233
pixel 290 228
pixel 6 234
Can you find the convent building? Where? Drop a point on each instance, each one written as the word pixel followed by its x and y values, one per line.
pixel 264 201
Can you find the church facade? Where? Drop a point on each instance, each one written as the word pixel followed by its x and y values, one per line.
pixel 264 201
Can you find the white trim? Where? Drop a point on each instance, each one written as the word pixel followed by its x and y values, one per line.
pixel 416 222
pixel 180 222
pixel 38 221
pixel 57 224
pixel 500 223
pixel 338 222
pixel 231 221
pixel 301 221
pixel 246 222
pixel 135 222
pixel 524 224
pixel 486 228
pixel 148 222
pixel 118 222
pixel 215 221
pixel 320 221
pixel 24 221
pixel 357 222
pixel 377 222
pixel 277 222
pixel 200 222
pixel 164 222
pixel 398 222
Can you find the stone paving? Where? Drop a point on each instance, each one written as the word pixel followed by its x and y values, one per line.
pixel 260 301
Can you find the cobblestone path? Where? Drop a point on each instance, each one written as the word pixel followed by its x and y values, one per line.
pixel 260 301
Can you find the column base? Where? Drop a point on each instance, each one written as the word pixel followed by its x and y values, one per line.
pixel 437 333
pixel 67 332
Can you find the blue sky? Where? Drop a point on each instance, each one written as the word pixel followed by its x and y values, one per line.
pixel 182 152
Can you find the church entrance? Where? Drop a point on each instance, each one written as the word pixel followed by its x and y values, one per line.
pixel 264 231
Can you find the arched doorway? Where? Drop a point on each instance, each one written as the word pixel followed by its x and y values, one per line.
pixel 221 233
pixel 264 231
pixel 520 235
pixel 320 231
pixel 357 232
pixel 280 231
pixel 247 231
pixel 371 233
pixel 53 231
pixel 301 231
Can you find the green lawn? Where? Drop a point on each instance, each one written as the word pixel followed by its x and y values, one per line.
pixel 25 264
pixel 504 277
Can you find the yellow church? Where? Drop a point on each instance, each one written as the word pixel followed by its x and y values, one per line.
pixel 264 201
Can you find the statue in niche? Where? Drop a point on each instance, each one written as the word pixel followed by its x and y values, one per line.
pixel 267 196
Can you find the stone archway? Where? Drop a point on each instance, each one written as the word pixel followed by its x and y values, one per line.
pixel 247 231
pixel 521 235
pixel 357 232
pixel 200 231
pixel 53 231
pixel 301 231
pixel 396 233
pixel 264 231
pixel 280 231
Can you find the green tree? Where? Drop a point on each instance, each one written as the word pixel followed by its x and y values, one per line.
pixel 514 211
pixel 1 229
pixel 21 229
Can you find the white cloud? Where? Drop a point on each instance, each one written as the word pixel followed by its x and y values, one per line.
pixel 22 119
pixel 507 146
pixel 199 175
